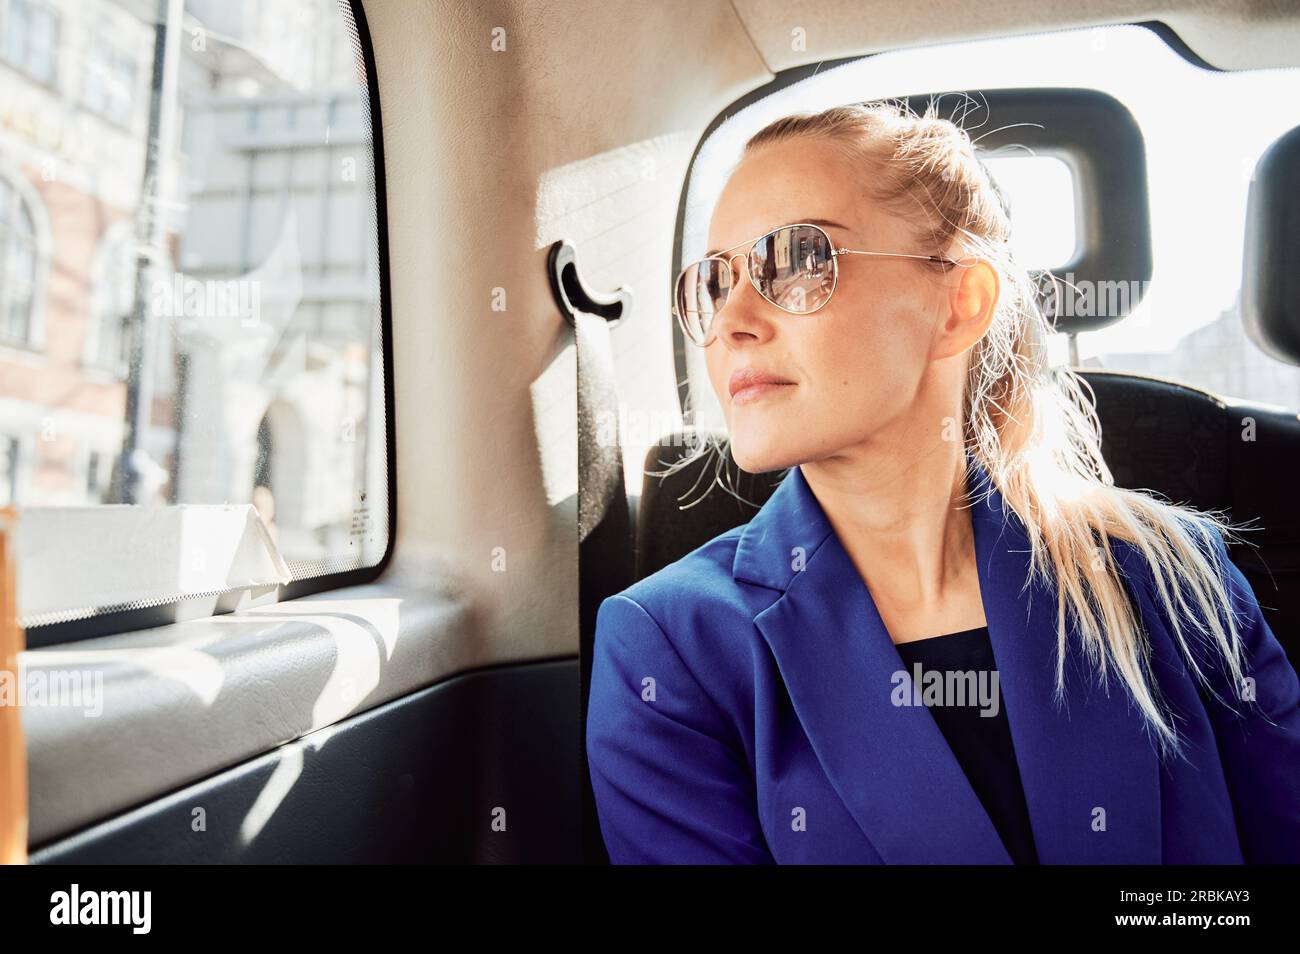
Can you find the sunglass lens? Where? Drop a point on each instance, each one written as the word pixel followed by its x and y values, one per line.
pixel 701 293
pixel 793 268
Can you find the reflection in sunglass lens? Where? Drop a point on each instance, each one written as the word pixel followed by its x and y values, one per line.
pixel 793 268
pixel 701 293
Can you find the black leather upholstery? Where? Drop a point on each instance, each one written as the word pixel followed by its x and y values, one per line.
pixel 1184 444
pixel 1270 281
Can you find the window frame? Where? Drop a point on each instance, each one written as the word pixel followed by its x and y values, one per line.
pixel 789 77
pixel 120 621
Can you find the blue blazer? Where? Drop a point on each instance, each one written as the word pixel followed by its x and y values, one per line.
pixel 741 711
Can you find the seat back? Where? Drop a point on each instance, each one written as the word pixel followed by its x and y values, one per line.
pixel 1186 445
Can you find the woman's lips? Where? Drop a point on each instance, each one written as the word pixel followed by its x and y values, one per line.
pixel 754 383
pixel 757 392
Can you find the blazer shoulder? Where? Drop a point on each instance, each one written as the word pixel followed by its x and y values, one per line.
pixel 698 595
pixel 1256 722
pixel 1258 643
pixel 669 735
pixel 695 609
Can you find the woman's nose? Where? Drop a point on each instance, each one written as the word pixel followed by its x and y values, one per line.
pixel 743 312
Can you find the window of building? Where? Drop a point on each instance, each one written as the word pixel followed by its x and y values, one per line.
pixel 98 474
pixel 8 470
pixel 112 305
pixel 31 33
pixel 18 266
pixel 108 82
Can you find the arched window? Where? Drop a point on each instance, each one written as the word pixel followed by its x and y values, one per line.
pixel 19 262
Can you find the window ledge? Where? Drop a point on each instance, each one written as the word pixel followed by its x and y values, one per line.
pixel 74 562
pixel 165 707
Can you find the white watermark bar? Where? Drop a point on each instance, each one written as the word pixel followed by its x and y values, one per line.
pixel 181 296
pixel 54 688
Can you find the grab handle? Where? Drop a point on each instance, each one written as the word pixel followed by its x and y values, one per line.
pixel 572 294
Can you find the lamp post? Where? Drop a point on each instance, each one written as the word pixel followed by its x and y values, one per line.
pixel 150 236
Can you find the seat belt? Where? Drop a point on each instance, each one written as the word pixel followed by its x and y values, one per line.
pixel 605 559
pixel 604 527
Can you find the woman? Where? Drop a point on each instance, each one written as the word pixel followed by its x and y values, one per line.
pixel 947 637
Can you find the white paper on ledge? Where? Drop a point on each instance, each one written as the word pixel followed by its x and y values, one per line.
pixel 71 560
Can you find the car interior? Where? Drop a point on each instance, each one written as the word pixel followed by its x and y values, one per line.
pixel 396 669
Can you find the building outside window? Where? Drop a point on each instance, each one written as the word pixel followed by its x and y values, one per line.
pixel 31 39
pixel 18 262
pixel 108 82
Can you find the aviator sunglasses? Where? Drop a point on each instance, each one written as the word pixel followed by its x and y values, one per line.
pixel 795 267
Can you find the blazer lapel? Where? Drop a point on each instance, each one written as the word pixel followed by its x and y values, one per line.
pixel 1090 773
pixel 889 763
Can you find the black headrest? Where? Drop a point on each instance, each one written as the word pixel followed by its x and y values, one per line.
pixel 1270 283
pixel 708 496
pixel 1182 443
pixel 1157 435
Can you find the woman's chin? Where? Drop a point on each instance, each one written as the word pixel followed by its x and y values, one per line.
pixel 759 460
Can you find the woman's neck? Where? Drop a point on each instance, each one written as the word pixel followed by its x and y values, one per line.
pixel 903 522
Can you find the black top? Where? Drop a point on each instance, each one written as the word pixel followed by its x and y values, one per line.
pixel 981 743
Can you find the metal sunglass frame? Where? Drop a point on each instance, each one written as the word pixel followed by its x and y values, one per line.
pixel 726 259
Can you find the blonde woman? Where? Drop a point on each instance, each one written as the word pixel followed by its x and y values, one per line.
pixel 947 637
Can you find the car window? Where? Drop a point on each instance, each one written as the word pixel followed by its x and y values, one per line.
pixel 195 329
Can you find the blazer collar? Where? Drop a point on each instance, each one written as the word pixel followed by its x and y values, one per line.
pixel 1090 776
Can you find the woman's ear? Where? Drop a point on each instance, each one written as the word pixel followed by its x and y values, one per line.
pixel 972 302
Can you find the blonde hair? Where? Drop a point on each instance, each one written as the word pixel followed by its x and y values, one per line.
pixel 1030 425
